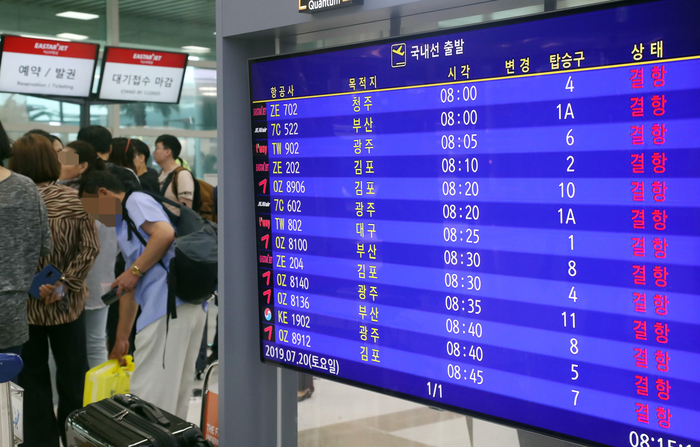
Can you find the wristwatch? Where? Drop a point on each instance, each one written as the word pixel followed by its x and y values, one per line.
pixel 136 271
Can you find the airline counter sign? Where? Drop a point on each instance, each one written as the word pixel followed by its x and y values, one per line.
pixel 142 75
pixel 47 67
pixel 312 6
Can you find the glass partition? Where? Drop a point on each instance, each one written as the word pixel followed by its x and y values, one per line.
pixel 196 110
pixel 188 27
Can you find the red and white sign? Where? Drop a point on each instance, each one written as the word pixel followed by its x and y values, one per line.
pixel 211 418
pixel 47 67
pixel 142 75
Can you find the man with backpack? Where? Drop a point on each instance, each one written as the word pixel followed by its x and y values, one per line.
pixel 177 183
pixel 166 348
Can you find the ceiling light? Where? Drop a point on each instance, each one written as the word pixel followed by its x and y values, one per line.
pixel 31 36
pixel 462 21
pixel 204 89
pixel 72 36
pixel 193 58
pixel 54 123
pixel 510 13
pixel 77 15
pixel 196 49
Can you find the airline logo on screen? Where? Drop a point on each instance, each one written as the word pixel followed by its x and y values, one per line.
pixel 398 55
pixel 51 48
pixel 312 6
pixel 41 47
pixel 148 58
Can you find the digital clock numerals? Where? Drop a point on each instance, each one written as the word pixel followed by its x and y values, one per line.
pixel 461 166
pixel 567 191
pixel 644 440
pixel 449 95
pixel 465 165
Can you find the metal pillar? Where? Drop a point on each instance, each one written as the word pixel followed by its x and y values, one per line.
pixel 112 18
pixel 257 402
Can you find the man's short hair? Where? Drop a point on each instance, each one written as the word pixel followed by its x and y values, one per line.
pixel 142 149
pixel 5 147
pixel 100 138
pixel 172 143
pixel 35 157
pixel 92 183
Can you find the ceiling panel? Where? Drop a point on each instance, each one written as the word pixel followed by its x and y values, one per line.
pixel 160 24
pixel 179 11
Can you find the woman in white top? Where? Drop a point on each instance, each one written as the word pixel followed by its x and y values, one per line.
pixel 78 159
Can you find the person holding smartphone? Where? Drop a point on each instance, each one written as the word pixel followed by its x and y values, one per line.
pixel 57 317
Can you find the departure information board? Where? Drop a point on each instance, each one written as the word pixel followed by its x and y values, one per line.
pixel 500 220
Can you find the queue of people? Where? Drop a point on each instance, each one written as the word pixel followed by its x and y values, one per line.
pixel 61 206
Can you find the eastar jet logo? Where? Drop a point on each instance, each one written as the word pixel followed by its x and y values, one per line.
pixel 148 57
pixel 50 46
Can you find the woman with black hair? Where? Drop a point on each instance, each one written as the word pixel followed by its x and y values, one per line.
pixel 123 152
pixel 78 159
pixel 24 238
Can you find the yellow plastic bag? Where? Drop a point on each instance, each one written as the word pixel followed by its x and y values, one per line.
pixel 108 379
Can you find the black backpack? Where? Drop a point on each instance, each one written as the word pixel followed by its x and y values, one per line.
pixel 193 271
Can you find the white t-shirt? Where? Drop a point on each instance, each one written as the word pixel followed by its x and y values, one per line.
pixel 185 188
pixel 101 275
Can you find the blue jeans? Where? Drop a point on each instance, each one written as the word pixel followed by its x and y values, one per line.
pixel 96 335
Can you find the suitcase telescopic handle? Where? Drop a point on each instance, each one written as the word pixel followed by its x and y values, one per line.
pixel 152 413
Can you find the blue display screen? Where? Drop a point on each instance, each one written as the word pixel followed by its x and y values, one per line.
pixel 501 220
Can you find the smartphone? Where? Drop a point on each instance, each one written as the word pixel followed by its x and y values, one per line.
pixel 110 297
pixel 47 275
